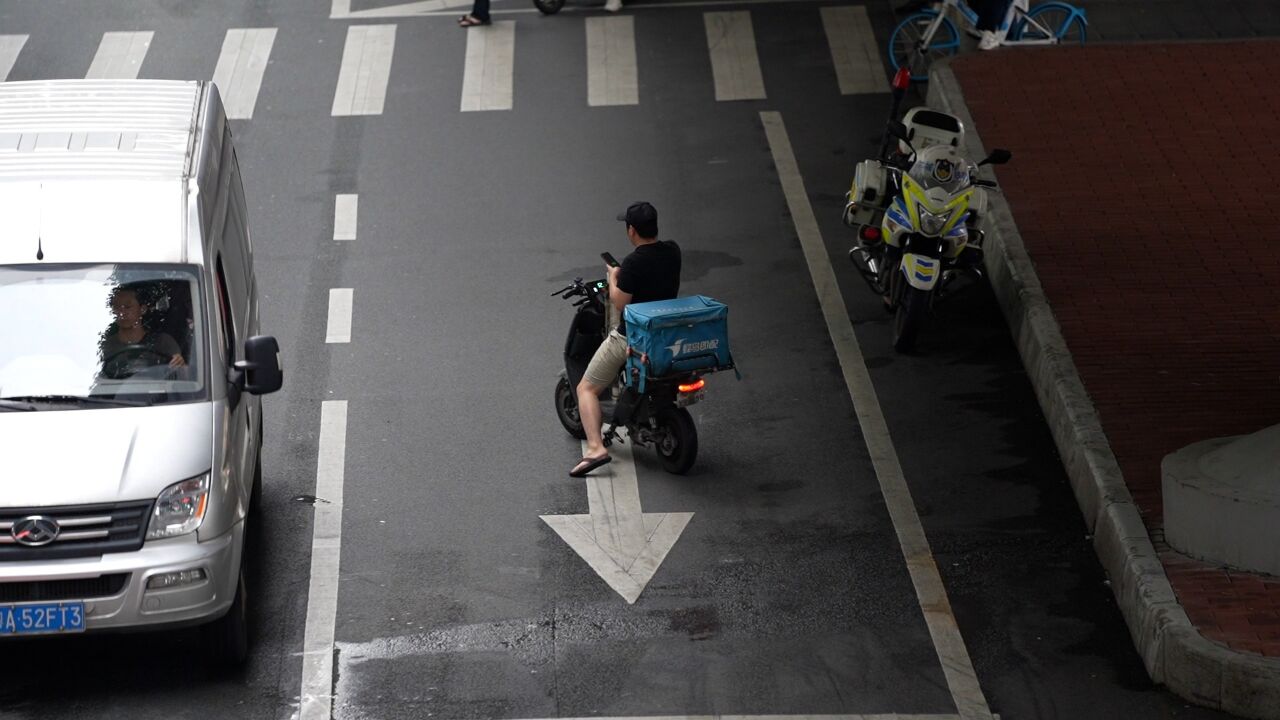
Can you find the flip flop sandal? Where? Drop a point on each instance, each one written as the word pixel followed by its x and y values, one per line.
pixel 591 464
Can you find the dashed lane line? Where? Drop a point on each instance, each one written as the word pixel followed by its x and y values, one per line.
pixel 340 309
pixel 345 214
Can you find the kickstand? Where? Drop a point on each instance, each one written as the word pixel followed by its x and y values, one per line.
pixel 611 435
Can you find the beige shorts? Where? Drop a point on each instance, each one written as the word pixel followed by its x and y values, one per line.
pixel 603 369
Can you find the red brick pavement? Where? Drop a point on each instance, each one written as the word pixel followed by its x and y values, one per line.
pixel 1146 185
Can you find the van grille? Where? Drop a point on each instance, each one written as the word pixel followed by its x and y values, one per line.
pixel 46 590
pixel 84 530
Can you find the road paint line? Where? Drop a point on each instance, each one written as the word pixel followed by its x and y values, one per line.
pixel 365 70
pixel 316 698
pixel 947 641
pixel 854 50
pixel 617 539
pixel 10 46
pixel 611 61
pixel 877 716
pixel 340 300
pixel 487 76
pixel 341 9
pixel 345 209
pixel 420 9
pixel 241 64
pixel 735 66
pixel 120 55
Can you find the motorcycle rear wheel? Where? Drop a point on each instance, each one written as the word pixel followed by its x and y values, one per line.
pixel 567 409
pixel 913 307
pixel 548 7
pixel 677 441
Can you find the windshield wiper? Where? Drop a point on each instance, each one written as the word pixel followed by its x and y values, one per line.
pixel 78 399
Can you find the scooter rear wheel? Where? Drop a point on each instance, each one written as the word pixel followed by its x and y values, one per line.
pixel 548 7
pixel 677 440
pixel 567 409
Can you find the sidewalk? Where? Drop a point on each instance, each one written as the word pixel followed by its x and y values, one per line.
pixel 1143 190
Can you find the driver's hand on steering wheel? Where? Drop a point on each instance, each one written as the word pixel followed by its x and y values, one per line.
pixel 176 361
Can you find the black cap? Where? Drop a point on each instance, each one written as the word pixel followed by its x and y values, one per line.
pixel 643 217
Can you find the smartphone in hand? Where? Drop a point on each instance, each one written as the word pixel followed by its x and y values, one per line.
pixel 609 259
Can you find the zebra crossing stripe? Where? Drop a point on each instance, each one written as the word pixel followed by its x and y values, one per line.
pixel 854 50
pixel 611 61
pixel 10 46
pixel 365 70
pixel 735 66
pixel 120 55
pixel 488 73
pixel 241 65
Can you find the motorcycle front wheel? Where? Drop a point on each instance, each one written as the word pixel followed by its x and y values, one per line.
pixel 567 409
pixel 677 440
pixel 548 7
pixel 913 307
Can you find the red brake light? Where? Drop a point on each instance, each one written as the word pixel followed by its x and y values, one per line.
pixel 870 233
pixel 692 387
pixel 902 80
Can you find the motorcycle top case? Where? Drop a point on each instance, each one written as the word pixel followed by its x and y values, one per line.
pixel 677 336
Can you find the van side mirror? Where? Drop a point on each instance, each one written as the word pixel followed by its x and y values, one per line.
pixel 999 156
pixel 260 369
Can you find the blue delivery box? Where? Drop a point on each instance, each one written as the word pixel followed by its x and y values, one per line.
pixel 683 335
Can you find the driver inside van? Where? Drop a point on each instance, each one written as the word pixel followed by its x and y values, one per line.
pixel 128 346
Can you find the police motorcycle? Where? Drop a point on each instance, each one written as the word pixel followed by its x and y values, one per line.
pixel 659 382
pixel 930 204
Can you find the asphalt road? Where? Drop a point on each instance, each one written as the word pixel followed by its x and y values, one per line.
pixel 786 594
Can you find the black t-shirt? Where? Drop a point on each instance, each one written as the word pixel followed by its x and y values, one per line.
pixel 651 272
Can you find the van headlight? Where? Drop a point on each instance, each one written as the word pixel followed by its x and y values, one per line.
pixel 180 508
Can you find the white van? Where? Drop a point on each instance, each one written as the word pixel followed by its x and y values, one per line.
pixel 130 365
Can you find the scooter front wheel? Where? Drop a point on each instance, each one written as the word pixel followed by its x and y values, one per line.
pixel 912 310
pixel 567 409
pixel 548 7
pixel 677 440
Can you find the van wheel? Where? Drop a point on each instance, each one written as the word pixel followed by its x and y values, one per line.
pixel 226 640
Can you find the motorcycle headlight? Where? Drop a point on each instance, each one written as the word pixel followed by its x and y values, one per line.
pixel 180 508
pixel 931 224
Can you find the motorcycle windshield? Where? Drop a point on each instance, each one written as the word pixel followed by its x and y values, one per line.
pixel 949 176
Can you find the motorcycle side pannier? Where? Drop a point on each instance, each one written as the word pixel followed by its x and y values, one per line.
pixel 867 197
pixel 677 336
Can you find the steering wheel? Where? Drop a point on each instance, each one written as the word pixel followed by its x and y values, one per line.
pixel 136 348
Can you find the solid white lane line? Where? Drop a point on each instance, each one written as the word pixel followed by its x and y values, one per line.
pixel 947 641
pixel 735 66
pixel 345 209
pixel 611 61
pixel 365 70
pixel 10 46
pixel 316 699
pixel 120 55
pixel 854 50
pixel 487 75
pixel 340 300
pixel 241 64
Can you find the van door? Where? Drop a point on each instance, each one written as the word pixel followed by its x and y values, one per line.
pixel 238 451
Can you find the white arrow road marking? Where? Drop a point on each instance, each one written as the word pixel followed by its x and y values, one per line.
pixel 623 544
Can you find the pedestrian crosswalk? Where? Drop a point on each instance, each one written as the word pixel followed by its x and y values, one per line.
pixel 613 73
pixel 120 55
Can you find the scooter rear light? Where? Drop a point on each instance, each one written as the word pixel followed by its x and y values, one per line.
pixel 870 233
pixel 692 387
pixel 902 80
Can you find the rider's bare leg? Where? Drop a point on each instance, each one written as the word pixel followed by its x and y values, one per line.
pixel 592 418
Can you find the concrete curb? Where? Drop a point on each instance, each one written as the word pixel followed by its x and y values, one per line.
pixel 1174 652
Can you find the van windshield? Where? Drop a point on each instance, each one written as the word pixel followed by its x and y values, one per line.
pixel 82 335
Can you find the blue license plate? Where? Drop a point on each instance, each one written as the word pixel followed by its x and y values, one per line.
pixel 40 618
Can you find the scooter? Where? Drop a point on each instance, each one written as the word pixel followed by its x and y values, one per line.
pixel 654 412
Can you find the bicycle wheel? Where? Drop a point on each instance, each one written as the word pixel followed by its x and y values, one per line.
pixel 905 45
pixel 1060 19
